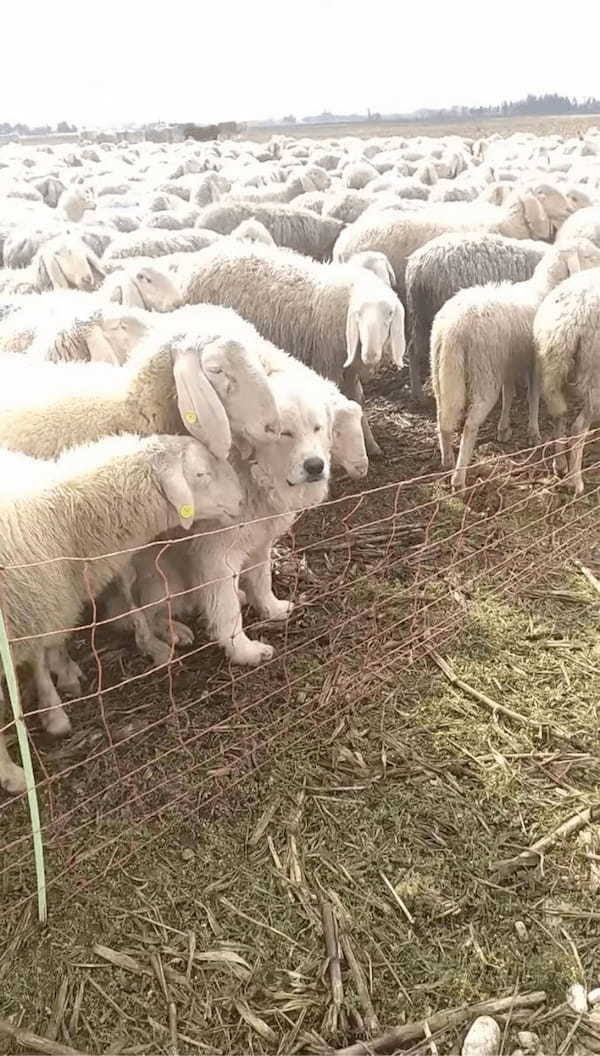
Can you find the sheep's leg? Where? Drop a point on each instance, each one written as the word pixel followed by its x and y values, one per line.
pixel 53 717
pixel 533 400
pixel 257 587
pixel 12 778
pixel 579 430
pixel 504 429
pixel 477 414
pixel 147 642
pixel 559 462
pixel 445 433
pixel 220 602
pixel 68 673
pixel 352 388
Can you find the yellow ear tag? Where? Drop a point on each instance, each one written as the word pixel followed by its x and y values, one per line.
pixel 186 511
pixel 191 417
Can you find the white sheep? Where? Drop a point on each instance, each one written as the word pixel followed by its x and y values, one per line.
pixel 150 287
pixel 536 213
pixel 64 262
pixel 482 344
pixel 99 502
pixel 297 229
pixel 342 308
pixel 566 334
pixel 146 242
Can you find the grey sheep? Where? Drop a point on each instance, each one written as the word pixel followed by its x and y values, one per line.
pixel 100 501
pixel 297 229
pixel 320 313
pixel 445 265
pixel 525 215
pixel 482 344
pixel 567 348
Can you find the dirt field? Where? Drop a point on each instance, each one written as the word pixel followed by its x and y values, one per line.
pixel 566 125
pixel 208 821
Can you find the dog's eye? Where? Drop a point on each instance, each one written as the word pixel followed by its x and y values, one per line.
pixel 286 433
pixel 269 429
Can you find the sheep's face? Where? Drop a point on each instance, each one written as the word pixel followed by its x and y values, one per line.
pixel 556 206
pixel 214 485
pixel 73 261
pixel 158 291
pixel 238 377
pixel 348 442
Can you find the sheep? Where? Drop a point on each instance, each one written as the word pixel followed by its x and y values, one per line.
pixel 308 179
pixel 585 223
pixel 297 229
pixel 74 202
pixel 149 243
pixel 453 262
pixel 150 287
pixel 253 231
pixel 341 308
pixel 357 174
pixel 63 262
pixel 482 343
pixel 567 352
pixel 101 499
pixel 526 215
pixel 65 326
pixel 377 263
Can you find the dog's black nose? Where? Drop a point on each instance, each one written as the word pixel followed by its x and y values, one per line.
pixel 313 467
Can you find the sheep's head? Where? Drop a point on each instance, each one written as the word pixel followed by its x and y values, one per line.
pixel 238 376
pixel 375 320
pixel 65 262
pixel 576 255
pixel 197 484
pixel 150 288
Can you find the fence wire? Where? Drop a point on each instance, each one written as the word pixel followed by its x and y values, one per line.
pixel 379 578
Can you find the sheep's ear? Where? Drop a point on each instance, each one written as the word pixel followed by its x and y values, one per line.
pixel 171 477
pixel 397 342
pixel 307 183
pixel 131 289
pixel 100 348
pixel 536 218
pixel 50 274
pixel 352 338
pixel 573 262
pixel 200 408
pixel 117 294
pixel 390 273
pixel 95 268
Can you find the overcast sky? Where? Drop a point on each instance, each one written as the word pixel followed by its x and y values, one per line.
pixel 118 61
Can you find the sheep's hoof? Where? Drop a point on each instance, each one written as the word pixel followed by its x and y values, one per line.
pixel 249 653
pixel 278 610
pixel 374 451
pixel 535 437
pixel 459 480
pixel 504 433
pixel 13 780
pixel 160 653
pixel 560 465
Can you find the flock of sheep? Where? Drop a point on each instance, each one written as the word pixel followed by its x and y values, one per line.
pixel 183 334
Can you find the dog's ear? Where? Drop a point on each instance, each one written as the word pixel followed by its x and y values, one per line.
pixel 200 408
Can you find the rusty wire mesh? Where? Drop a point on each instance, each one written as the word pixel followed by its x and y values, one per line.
pixel 379 578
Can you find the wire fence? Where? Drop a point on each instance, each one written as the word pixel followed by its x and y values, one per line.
pixel 380 579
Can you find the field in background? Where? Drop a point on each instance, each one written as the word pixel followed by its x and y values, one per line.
pixel 565 125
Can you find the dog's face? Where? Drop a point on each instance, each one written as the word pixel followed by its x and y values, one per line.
pixel 298 459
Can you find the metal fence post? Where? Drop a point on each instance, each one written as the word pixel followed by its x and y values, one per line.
pixel 34 813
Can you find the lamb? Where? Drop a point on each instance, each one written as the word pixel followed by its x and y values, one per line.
pixel 341 308
pixel 64 262
pixel 451 263
pixel 146 242
pixel 150 287
pixel 482 343
pixel 253 231
pixel 74 202
pixel 104 497
pixel 536 213
pixel 297 229
pixel 566 335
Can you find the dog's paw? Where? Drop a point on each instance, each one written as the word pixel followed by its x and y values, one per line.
pixel 250 653
pixel 13 779
pixel 56 722
pixel 278 610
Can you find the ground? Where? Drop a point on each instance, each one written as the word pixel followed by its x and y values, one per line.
pixel 562 125
pixel 207 821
